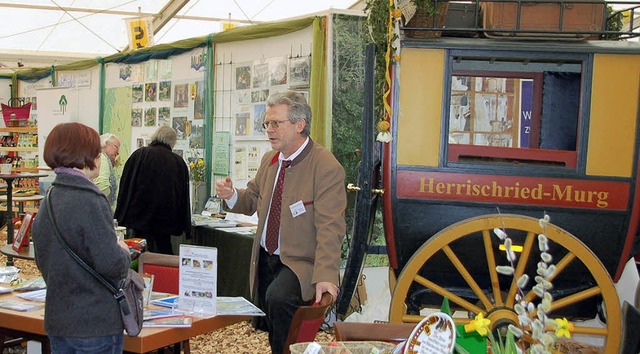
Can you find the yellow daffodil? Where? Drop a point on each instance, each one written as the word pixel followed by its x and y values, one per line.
pixel 479 324
pixel 197 170
pixel 563 327
pixel 396 13
pixel 383 126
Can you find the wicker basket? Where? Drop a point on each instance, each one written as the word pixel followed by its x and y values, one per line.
pixel 346 347
pixel 422 19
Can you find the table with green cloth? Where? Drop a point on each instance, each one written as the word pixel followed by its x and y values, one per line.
pixel 234 257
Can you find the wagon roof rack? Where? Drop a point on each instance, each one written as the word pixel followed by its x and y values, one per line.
pixel 609 20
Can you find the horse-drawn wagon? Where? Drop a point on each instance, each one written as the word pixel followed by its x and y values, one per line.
pixel 495 133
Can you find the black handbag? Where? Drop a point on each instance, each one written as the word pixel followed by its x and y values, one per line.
pixel 129 291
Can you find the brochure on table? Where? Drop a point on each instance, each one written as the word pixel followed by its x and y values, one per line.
pixel 198 280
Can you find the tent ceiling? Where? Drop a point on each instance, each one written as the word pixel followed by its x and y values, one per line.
pixel 98 26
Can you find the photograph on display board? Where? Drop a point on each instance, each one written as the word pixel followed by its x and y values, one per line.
pixel 150 117
pixel 180 126
pixel 137 75
pixel 258 118
pixel 151 70
pixel 196 139
pixel 181 96
pixel 243 97
pixel 136 117
pixel 243 77
pixel 242 122
pixel 258 96
pixel 150 92
pixel 198 102
pixel 164 93
pixel 164 116
pixel 139 142
pixel 299 71
pixel 278 71
pixel 137 93
pixel 260 75
pixel 165 69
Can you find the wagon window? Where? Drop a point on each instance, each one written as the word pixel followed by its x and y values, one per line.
pixel 528 116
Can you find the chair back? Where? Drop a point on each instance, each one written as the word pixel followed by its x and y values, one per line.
pixel 165 269
pixel 307 321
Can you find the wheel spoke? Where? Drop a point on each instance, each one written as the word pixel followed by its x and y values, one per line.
pixel 589 330
pixel 491 263
pixel 560 266
pixel 448 294
pixel 575 298
pixel 467 277
pixel 577 258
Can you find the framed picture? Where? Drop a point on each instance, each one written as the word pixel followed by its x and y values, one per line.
pixel 22 238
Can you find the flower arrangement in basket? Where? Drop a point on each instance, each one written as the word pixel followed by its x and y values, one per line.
pixel 530 335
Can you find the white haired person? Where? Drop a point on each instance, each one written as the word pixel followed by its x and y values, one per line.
pixel 106 180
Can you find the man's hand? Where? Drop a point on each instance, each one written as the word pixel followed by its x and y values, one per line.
pixel 224 188
pixel 326 287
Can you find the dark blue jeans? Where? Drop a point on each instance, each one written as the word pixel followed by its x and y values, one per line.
pixel 90 345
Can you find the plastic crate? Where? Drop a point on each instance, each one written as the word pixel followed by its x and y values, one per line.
pixel 345 347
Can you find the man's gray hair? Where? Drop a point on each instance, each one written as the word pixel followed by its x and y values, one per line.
pixel 165 135
pixel 299 109
pixel 107 137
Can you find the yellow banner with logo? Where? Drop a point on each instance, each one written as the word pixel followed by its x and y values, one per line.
pixel 140 31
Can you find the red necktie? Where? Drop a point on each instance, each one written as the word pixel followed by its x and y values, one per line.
pixel 273 224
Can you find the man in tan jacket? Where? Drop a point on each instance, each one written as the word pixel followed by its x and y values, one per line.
pixel 303 261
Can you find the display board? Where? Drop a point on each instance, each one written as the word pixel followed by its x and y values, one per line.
pixel 247 72
pixel 141 97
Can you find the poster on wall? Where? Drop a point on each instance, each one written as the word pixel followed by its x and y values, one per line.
pixel 56 105
pixel 300 71
pixel 221 153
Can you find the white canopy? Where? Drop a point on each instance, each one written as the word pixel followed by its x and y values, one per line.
pixel 98 26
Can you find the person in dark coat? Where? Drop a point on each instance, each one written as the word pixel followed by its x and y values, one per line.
pixel 81 314
pixel 153 201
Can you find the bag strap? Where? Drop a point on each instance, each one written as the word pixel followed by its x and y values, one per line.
pixel 117 293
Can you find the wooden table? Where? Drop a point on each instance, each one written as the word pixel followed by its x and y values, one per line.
pixel 25 252
pixel 9 178
pixel 31 325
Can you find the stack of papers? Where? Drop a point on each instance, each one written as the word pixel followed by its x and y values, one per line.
pixel 8 274
pixel 19 305
pixel 230 306
pixel 150 314
pixel 200 220
pixel 174 321
pixel 36 295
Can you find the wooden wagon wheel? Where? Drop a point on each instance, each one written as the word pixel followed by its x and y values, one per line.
pixel 496 302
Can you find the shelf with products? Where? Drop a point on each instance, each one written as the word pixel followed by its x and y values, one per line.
pixel 18 145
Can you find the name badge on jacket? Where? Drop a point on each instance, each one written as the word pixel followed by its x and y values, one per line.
pixel 297 208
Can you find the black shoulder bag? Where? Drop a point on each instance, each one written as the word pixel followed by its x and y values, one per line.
pixel 129 292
